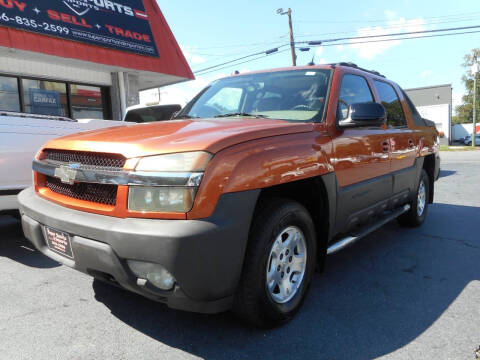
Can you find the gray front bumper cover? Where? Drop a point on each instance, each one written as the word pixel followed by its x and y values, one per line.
pixel 205 256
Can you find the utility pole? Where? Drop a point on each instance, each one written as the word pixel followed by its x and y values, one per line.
pixel 475 69
pixel 292 40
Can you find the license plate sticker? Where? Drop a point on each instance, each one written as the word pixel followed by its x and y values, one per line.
pixel 58 241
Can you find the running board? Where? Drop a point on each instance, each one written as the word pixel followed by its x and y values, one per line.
pixel 343 243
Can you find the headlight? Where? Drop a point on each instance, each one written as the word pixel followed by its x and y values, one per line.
pixel 161 199
pixel 191 161
pixel 169 182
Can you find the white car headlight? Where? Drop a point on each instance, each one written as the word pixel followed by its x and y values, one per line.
pixel 173 181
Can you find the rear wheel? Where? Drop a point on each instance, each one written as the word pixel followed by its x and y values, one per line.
pixel 279 264
pixel 419 205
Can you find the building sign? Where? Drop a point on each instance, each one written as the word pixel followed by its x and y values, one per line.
pixel 45 102
pixel 119 24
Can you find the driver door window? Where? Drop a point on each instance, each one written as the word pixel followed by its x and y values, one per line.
pixel 354 89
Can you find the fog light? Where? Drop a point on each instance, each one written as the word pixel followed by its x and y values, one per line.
pixel 156 274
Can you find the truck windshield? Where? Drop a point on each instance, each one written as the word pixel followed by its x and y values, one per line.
pixel 295 95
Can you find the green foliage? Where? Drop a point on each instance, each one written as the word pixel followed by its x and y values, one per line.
pixel 465 111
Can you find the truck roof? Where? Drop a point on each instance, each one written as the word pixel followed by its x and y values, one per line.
pixel 306 67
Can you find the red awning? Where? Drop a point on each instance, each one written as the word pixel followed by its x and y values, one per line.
pixel 171 60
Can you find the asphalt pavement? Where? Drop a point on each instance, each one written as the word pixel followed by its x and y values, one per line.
pixel 397 294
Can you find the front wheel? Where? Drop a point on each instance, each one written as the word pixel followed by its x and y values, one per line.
pixel 279 264
pixel 419 205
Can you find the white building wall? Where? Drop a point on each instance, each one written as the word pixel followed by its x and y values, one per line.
pixel 40 69
pixel 440 114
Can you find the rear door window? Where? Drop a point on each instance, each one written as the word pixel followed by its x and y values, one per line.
pixel 417 118
pixel 354 89
pixel 389 99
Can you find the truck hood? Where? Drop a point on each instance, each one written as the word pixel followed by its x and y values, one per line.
pixel 210 135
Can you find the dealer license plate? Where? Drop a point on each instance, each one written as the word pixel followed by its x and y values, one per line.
pixel 58 241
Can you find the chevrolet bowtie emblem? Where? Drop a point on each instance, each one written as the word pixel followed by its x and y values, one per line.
pixel 67 173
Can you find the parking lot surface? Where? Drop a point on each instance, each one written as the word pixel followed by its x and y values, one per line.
pixel 397 294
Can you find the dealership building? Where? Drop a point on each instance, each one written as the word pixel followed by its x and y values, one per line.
pixel 84 58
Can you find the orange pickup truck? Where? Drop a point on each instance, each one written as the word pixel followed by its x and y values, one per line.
pixel 235 202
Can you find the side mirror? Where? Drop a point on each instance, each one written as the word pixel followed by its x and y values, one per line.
pixel 364 114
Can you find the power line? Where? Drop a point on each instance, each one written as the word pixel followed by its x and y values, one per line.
pixel 394 34
pixel 241 58
pixel 254 48
pixel 243 44
pixel 379 20
pixel 353 43
pixel 214 58
pixel 396 26
pixel 463 17
pixel 397 37
pixel 404 38
pixel 405 25
pixel 244 62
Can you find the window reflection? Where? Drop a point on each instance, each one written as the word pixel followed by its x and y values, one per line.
pixel 86 102
pixel 45 97
pixel 9 99
pixel 390 100
pixel 354 90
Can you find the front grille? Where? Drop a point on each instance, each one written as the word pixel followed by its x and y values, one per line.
pixel 89 159
pixel 97 193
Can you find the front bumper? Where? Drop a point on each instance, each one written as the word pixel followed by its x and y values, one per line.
pixel 205 256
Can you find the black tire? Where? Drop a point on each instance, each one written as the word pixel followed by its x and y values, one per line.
pixel 412 218
pixel 253 302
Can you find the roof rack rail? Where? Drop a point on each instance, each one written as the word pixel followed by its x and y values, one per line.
pixel 35 116
pixel 350 64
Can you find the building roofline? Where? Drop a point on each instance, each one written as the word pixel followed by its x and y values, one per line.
pixel 171 61
pixel 429 87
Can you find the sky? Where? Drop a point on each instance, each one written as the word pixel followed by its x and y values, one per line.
pixel 212 32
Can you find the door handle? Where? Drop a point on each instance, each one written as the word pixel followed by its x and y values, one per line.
pixel 386 146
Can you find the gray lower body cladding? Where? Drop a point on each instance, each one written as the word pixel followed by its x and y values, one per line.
pixel 205 256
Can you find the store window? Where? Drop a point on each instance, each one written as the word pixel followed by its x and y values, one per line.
pixel 45 97
pixel 9 99
pixel 86 101
pixel 54 98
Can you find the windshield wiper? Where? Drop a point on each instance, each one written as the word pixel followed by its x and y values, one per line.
pixel 242 114
pixel 185 117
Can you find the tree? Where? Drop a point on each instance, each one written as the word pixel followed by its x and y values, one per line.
pixel 465 111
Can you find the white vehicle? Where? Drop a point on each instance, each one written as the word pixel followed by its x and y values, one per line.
pixel 468 140
pixel 21 136
pixel 153 113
